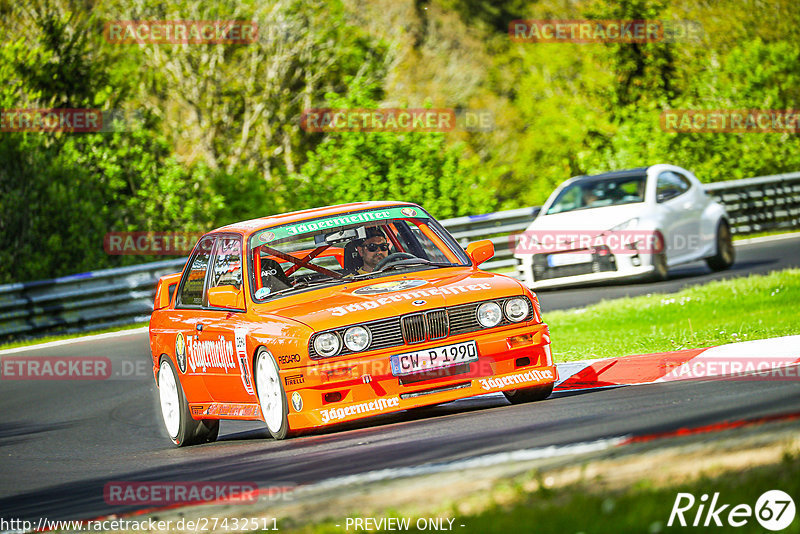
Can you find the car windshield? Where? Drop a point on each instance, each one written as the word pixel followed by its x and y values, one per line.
pixel 341 248
pixel 598 193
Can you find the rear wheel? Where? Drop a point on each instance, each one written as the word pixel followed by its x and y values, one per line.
pixel 533 394
pixel 271 395
pixel 725 255
pixel 181 428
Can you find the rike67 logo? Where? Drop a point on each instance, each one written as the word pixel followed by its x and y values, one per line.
pixel 774 510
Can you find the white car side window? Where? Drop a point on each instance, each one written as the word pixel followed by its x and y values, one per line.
pixel 670 185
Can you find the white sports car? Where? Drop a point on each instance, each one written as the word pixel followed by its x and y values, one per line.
pixel 624 224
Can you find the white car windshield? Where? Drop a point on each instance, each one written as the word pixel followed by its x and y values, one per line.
pixel 598 193
pixel 342 248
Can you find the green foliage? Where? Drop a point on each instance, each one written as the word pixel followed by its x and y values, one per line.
pixel 413 166
pixel 219 140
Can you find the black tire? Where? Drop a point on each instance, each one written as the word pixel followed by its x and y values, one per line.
pixel 271 395
pixel 725 255
pixel 660 269
pixel 181 428
pixel 532 394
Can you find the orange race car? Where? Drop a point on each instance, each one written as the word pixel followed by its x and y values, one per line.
pixel 328 315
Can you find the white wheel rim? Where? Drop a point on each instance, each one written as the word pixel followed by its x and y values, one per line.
pixel 268 384
pixel 170 402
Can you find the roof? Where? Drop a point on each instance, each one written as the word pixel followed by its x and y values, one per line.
pixel 627 173
pixel 247 227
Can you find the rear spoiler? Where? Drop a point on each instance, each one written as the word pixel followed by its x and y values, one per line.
pixel 165 289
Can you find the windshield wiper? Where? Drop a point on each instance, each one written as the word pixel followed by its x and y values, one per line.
pixel 301 284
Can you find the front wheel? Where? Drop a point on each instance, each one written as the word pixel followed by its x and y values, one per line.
pixel 533 394
pixel 181 428
pixel 271 395
pixel 725 255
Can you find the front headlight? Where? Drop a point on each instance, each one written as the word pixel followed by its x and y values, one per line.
pixel 327 344
pixel 489 314
pixel 357 338
pixel 517 309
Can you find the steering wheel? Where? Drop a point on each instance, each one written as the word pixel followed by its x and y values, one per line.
pixel 394 257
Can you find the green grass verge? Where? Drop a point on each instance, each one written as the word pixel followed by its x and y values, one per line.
pixel 589 507
pixel 581 508
pixel 726 311
pixel 39 340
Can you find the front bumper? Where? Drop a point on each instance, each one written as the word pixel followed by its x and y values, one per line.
pixel 511 358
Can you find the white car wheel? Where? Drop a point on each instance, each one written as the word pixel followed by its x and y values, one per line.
pixel 170 400
pixel 181 427
pixel 271 395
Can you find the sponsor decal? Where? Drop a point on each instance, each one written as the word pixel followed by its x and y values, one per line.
pixel 180 352
pixel 197 410
pixel 214 354
pixel 490 384
pixel 263 292
pixel 376 406
pixel 338 311
pixel 289 358
pixel 293 380
pixel 389 287
pixel 240 336
pixel 409 212
pixel 229 409
pixel 326 224
pixel 297 401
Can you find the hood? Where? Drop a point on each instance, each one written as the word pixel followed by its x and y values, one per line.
pixel 594 219
pixel 391 296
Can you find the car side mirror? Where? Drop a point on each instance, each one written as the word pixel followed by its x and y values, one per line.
pixel 165 289
pixel 480 251
pixel 226 296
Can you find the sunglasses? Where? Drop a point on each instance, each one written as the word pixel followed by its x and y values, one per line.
pixel 373 247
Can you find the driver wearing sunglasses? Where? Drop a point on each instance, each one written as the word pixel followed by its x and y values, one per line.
pixel 372 250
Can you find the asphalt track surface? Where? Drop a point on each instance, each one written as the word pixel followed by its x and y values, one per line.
pixel 62 441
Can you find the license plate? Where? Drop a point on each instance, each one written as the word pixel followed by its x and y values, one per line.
pixel 568 258
pixel 434 358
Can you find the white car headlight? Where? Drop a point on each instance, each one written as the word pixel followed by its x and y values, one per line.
pixel 327 344
pixel 517 309
pixel 357 338
pixel 489 314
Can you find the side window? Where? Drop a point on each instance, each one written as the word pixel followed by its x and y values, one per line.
pixel 227 269
pixel 191 292
pixel 670 185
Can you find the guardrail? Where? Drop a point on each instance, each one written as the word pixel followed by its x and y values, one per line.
pixel 113 297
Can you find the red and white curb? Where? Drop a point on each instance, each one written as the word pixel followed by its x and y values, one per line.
pixel 768 359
